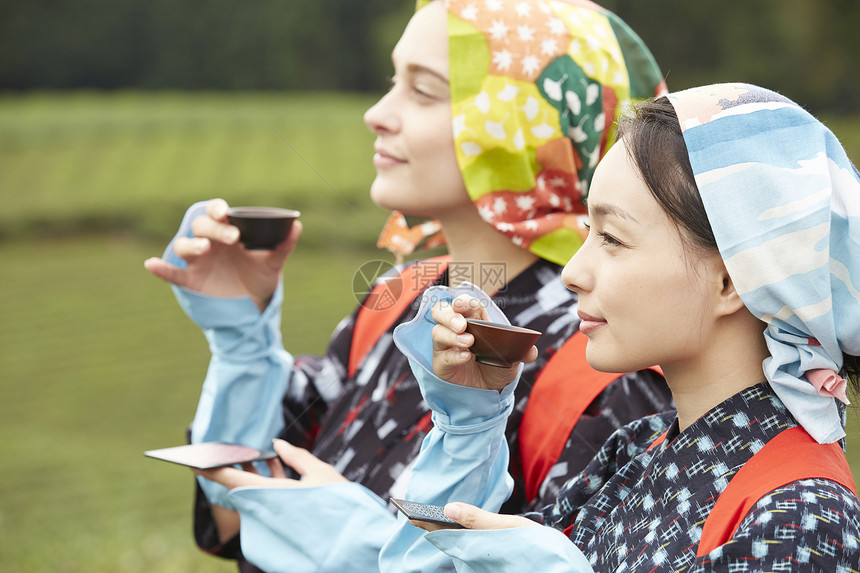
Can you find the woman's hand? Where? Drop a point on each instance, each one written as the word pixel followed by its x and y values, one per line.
pixel 452 360
pixel 472 517
pixel 218 265
pixel 313 471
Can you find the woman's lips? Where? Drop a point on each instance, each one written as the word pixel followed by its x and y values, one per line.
pixel 589 323
pixel 382 160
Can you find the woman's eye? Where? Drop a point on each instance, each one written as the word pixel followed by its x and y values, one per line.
pixel 421 93
pixel 416 90
pixel 609 239
pixel 605 237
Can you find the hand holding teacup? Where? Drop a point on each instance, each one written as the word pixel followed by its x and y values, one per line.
pixel 467 347
pixel 218 265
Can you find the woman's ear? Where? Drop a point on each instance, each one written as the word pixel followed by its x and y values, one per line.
pixel 723 296
pixel 729 301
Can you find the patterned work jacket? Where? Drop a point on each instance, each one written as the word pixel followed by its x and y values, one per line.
pixel 639 509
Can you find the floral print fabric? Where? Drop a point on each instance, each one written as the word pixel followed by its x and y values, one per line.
pixel 536 87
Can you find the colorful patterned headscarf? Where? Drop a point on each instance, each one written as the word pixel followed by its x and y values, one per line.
pixel 536 87
pixel 783 200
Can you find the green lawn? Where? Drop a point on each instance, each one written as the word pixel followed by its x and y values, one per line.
pixel 98 362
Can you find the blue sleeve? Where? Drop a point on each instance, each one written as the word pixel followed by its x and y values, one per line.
pixel 249 371
pixel 519 549
pixel 465 456
pixel 325 529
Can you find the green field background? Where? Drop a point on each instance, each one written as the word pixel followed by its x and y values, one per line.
pixel 97 362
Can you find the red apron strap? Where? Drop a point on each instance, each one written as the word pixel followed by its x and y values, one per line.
pixel 791 456
pixel 386 302
pixel 562 392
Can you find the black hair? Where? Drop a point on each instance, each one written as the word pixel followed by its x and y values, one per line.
pixel 851 372
pixel 653 138
pixel 654 141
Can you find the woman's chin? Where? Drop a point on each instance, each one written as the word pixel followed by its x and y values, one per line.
pixel 603 363
pixel 389 201
pixel 383 196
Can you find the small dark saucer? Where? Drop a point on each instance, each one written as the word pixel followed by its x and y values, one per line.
pixel 498 344
pixel 262 228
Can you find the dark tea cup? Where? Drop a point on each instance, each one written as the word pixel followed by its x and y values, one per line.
pixel 262 228
pixel 498 344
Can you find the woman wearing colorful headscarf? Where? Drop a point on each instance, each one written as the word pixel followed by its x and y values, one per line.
pixel 724 246
pixel 495 147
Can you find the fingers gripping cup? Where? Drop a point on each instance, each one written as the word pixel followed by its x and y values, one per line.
pixel 262 228
pixel 498 344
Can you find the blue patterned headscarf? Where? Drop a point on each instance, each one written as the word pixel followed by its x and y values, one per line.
pixel 783 200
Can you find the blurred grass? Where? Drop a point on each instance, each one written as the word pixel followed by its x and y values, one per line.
pixel 110 161
pixel 98 362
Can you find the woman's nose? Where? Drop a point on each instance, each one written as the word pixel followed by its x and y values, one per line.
pixel 380 117
pixel 575 275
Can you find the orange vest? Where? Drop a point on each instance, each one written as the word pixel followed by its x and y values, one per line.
pixel 371 323
pixel 792 455
pixel 563 390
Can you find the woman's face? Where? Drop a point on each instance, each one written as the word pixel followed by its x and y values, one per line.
pixel 643 298
pixel 416 164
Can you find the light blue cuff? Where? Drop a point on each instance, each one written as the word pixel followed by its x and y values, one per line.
pixel 415 338
pixel 234 327
pixel 331 528
pixel 510 550
pixel 456 409
pixel 248 376
pixel 194 211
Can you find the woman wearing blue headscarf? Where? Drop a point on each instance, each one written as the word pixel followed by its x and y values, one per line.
pixel 724 246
